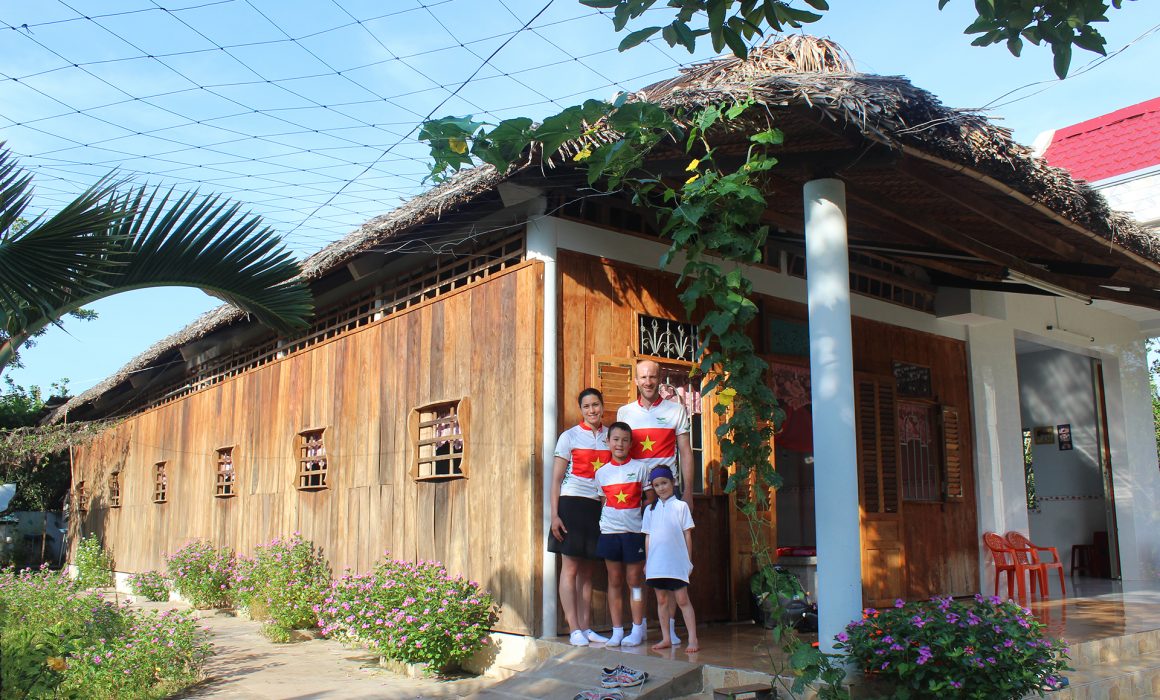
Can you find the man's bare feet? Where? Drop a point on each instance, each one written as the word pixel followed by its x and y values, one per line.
pixel 663 644
pixel 693 647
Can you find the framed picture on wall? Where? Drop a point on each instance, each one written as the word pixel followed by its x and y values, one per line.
pixel 1064 432
pixel 1045 435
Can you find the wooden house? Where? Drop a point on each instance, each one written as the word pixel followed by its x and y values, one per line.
pixel 418 414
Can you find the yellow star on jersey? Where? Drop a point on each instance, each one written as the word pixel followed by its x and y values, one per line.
pixel 621 497
pixel 596 464
pixel 647 444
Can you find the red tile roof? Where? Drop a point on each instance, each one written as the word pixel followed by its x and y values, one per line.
pixel 1120 142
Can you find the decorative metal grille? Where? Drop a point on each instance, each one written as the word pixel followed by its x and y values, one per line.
pixel 663 337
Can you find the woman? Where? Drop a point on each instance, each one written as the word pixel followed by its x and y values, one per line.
pixel 580 451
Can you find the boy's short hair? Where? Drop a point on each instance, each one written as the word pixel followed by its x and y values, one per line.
pixel 619 425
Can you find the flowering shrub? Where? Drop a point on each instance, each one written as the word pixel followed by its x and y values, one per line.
pixel 94 565
pixel 202 574
pixel 409 612
pixel 150 585
pixel 58 641
pixel 985 648
pixel 282 584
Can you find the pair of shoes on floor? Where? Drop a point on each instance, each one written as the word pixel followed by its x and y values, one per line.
pixel 622 677
pixel 599 695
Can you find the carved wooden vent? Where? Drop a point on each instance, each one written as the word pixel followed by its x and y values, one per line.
pixel 613 376
pixel 115 490
pixel 312 464
pixel 225 482
pixel 877 446
pixel 81 496
pixel 439 439
pixel 952 457
pixel 666 338
pixel 160 483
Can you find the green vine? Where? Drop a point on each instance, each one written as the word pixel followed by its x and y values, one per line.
pixel 712 218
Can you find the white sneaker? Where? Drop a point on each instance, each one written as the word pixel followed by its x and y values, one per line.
pixel 578 639
pixel 616 638
pixel 595 638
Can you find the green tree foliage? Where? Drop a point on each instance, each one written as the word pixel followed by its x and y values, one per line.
pixel 113 239
pixel 1061 24
pixel 41 479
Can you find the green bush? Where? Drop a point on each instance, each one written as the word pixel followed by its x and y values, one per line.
pixel 410 612
pixel 281 584
pixel 150 585
pixel 202 574
pixel 985 649
pixel 94 565
pixel 57 641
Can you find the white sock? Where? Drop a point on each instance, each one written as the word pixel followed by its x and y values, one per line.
pixel 616 638
pixel 593 637
pixel 673 631
pixel 634 639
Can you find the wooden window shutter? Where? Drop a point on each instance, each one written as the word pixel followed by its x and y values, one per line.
pixel 877 445
pixel 952 457
pixel 613 376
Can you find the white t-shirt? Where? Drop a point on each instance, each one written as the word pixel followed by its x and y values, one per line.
pixel 623 486
pixel 665 525
pixel 654 430
pixel 586 451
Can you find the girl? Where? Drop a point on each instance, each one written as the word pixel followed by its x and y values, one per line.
pixel 668 530
pixel 580 451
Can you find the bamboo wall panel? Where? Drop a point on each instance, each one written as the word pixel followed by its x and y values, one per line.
pixel 481 342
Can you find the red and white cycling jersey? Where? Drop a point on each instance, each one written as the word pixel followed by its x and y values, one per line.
pixel 586 451
pixel 654 430
pixel 623 486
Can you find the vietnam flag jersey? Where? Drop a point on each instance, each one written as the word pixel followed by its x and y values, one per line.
pixel 654 430
pixel 586 451
pixel 622 486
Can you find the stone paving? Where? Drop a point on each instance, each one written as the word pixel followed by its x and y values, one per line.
pixel 249 666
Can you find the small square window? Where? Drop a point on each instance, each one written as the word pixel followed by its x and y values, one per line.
pixel 312 464
pixel 224 484
pixel 81 498
pixel 115 490
pixel 439 440
pixel 160 483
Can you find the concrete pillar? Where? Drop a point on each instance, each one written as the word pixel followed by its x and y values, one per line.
pixel 999 479
pixel 541 245
pixel 832 379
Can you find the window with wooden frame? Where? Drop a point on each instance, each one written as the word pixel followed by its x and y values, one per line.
pixel 439 440
pixel 82 500
pixel 225 476
pixel 312 463
pixel 115 490
pixel 918 454
pixel 160 483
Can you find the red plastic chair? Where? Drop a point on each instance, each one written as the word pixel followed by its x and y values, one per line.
pixel 1008 560
pixel 1026 547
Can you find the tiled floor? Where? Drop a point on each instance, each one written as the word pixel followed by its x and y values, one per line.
pixel 1094 609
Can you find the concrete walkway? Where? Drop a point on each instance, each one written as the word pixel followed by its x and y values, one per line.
pixel 249 666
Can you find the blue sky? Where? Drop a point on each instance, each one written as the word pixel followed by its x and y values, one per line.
pixel 305 110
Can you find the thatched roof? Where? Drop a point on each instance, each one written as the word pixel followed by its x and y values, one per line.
pixel 810 87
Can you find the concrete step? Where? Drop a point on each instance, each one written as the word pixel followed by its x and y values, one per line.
pixel 1123 679
pixel 1113 650
pixel 564 675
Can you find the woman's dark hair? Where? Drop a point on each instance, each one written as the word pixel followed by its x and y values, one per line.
pixel 590 392
pixel 619 425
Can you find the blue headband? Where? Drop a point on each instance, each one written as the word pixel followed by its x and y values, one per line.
pixel 659 472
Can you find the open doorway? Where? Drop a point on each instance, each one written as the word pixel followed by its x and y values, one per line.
pixel 1070 501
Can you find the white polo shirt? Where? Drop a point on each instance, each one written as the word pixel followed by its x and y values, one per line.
pixel 586 451
pixel 654 430
pixel 665 525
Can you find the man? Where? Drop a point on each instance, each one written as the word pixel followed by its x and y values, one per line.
pixel 660 428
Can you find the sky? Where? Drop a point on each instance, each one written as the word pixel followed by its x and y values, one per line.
pixel 306 111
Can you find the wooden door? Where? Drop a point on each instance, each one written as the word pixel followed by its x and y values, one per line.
pixel 883 557
pixel 709 583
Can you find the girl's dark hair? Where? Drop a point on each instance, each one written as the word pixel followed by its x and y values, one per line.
pixel 590 392
pixel 619 425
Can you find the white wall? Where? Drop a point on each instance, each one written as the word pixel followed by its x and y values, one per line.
pixel 1055 387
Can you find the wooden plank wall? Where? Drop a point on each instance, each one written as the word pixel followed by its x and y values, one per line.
pixel 940 540
pixel 481 342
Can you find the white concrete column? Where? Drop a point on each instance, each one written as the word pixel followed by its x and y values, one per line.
pixel 541 245
pixel 998 428
pixel 832 380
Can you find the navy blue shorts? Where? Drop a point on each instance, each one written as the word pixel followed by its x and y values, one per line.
pixel 667 584
pixel 627 547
